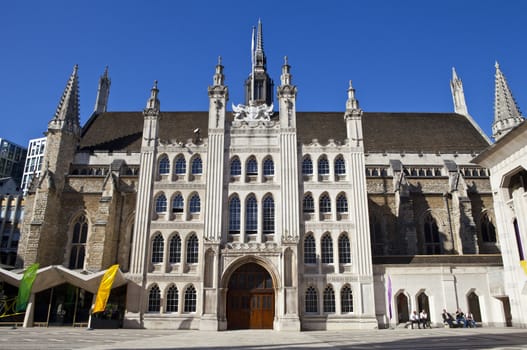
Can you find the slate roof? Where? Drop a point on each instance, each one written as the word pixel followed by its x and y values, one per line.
pixel 383 132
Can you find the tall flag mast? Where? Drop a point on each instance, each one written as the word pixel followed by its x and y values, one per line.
pixel 253 57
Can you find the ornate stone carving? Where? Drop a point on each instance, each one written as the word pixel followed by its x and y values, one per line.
pixel 252 112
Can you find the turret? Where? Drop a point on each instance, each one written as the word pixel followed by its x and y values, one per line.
pixel 507 115
pixel 287 98
pixel 66 117
pixel 353 118
pixel 218 97
pixel 103 92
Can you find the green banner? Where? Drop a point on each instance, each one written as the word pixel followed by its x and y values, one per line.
pixel 24 290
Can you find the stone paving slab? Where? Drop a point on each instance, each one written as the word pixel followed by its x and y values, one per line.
pixel 393 339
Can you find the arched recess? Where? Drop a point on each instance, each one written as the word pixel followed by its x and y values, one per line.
pixel 250 285
pixel 402 306
pixel 473 305
pixel 423 302
pixel 78 215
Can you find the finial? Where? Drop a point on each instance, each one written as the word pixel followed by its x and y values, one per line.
pixel 285 61
pixel 351 86
pixel 75 68
pixel 106 72
pixel 155 85
pixel 219 60
pixel 497 65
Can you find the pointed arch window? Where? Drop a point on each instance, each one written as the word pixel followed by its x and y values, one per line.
pixel 251 215
pixel 307 166
pixel 308 204
pixel 78 243
pixel 432 240
pixel 340 166
pixel 325 204
pixel 323 166
pixel 195 204
pixel 252 166
pixel 154 299
pixel 158 246
pixel 161 204
pixel 174 251
pixel 310 256
pixel 164 165
pixel 311 305
pixel 190 299
pixel 344 249
pixel 268 167
pixel 197 167
pixel 329 300
pixel 181 165
pixel 327 249
pixel 488 231
pixel 178 204
pixel 236 167
pixel 346 299
pixel 192 250
pixel 268 215
pixel 234 215
pixel 342 204
pixel 172 299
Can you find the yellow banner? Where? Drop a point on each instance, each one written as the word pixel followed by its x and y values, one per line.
pixel 523 264
pixel 104 288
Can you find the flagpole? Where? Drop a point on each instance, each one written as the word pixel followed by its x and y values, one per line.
pixel 252 67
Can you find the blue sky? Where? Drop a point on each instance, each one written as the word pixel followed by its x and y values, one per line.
pixel 399 54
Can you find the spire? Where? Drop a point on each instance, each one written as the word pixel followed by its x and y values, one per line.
pixel 103 92
pixel 67 115
pixel 506 112
pixel 456 86
pixel 260 60
pixel 352 104
pixel 219 78
pixel 153 103
pixel 259 86
pixel 285 78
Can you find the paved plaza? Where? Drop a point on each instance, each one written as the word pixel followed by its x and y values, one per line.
pixel 437 338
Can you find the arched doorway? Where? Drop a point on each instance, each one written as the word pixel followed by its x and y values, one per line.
pixel 473 306
pixel 402 308
pixel 250 298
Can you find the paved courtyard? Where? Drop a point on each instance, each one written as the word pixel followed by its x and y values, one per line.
pixel 437 338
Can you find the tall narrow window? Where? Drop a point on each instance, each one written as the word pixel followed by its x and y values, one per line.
pixel 174 253
pixel 78 243
pixel 154 299
pixel 327 249
pixel 181 165
pixel 234 215
pixel 158 245
pixel 323 166
pixel 342 204
pixel 192 250
pixel 178 204
pixel 190 299
pixel 197 167
pixel 311 300
pixel 340 166
pixel 308 204
pixel 432 242
pixel 346 299
pixel 236 167
pixel 376 236
pixel 329 300
pixel 164 165
pixel 268 167
pixel 310 256
pixel 172 299
pixel 161 204
pixel 195 204
pixel 325 204
pixel 307 166
pixel 251 215
pixel 268 215
pixel 344 249
pixel 252 166
pixel 488 231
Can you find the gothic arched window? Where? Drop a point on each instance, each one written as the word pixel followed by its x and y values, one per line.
pixel 308 204
pixel 344 249
pixel 310 256
pixel 327 249
pixel 268 215
pixel 181 165
pixel 78 243
pixel 488 231
pixel 251 215
pixel 172 299
pixel 346 299
pixel 164 165
pixel 432 241
pixel 197 167
pixel 329 300
pixel 192 250
pixel 307 166
pixel 340 166
pixel 178 203
pixel 161 204
pixel 158 246
pixel 190 299
pixel 154 299
pixel 268 167
pixel 236 167
pixel 252 166
pixel 325 204
pixel 174 251
pixel 323 166
pixel 342 204
pixel 234 215
pixel 195 204
pixel 311 305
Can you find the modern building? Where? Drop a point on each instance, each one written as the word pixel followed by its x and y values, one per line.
pixel 12 157
pixel 33 165
pixel 507 161
pixel 11 216
pixel 263 217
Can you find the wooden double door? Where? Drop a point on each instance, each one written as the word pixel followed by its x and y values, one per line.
pixel 250 298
